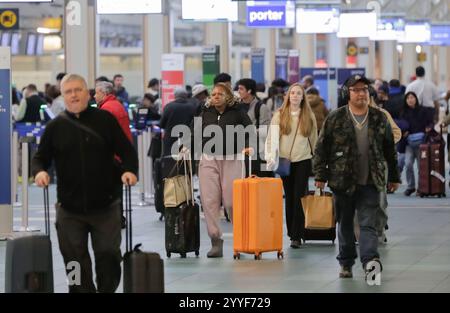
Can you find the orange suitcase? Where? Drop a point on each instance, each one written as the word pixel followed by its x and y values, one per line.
pixel 258 216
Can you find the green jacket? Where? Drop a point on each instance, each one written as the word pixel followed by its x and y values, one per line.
pixel 336 154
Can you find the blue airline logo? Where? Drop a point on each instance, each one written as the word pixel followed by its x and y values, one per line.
pixel 266 16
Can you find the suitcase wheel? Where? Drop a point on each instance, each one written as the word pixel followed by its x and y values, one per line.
pixel 421 195
pixel 237 256
pixel 258 257
pixel 183 255
pixel 197 253
pixel 169 255
pixel 280 255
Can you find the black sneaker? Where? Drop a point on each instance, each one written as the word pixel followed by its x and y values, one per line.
pixel 346 272
pixel 295 244
pixel 408 192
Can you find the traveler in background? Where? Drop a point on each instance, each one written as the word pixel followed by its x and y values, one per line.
pixel 120 91
pixel 420 121
pixel 29 108
pixel 223 78
pixel 318 106
pixel 56 100
pixel 200 93
pixel 394 105
pixel 293 135
pixel 426 92
pixel 106 100
pixel 308 83
pixel 260 116
pixel 59 78
pixel 153 88
pixel 178 112
pixel 382 216
pixel 148 102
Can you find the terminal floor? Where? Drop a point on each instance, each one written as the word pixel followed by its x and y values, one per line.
pixel 416 257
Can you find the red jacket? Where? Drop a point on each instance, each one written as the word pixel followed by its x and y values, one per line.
pixel 113 106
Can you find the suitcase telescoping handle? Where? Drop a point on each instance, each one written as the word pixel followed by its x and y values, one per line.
pixel 129 224
pixel 47 211
pixel 249 165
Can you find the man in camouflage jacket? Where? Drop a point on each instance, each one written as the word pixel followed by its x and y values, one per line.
pixel 355 142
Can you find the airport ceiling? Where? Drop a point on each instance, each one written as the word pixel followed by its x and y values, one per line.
pixel 437 11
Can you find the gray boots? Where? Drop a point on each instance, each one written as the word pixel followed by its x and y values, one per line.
pixel 217 248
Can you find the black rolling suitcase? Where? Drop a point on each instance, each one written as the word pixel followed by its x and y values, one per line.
pixel 29 261
pixel 143 272
pixel 320 234
pixel 183 225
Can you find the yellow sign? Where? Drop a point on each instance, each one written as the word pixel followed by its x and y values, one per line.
pixel 53 23
pixel 9 19
pixel 352 49
pixel 422 57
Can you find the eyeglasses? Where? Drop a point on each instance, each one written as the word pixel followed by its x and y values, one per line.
pixel 359 90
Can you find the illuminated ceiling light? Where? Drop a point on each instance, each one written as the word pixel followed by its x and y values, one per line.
pixel 419 49
pixel 52 43
pixel 45 30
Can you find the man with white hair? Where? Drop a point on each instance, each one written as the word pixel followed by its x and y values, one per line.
pixel 106 100
pixel 83 141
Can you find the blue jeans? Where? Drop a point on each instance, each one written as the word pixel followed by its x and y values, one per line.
pixel 412 154
pixel 366 202
pixel 400 162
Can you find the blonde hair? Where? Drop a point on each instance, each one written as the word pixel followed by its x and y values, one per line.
pixel 306 122
pixel 229 97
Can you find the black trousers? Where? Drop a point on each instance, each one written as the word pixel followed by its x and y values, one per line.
pixel 73 232
pixel 295 187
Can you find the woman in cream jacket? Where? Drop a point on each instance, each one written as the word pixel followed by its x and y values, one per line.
pixel 293 135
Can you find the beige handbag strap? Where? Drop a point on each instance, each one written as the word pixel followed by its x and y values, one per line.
pixel 188 167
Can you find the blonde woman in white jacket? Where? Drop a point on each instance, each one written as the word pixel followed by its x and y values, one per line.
pixel 293 135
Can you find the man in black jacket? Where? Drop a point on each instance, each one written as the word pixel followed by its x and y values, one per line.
pixel 83 142
pixel 178 112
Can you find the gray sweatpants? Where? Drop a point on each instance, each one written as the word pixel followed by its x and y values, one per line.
pixel 216 187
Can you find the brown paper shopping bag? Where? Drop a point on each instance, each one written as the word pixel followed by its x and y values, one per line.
pixel 318 209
